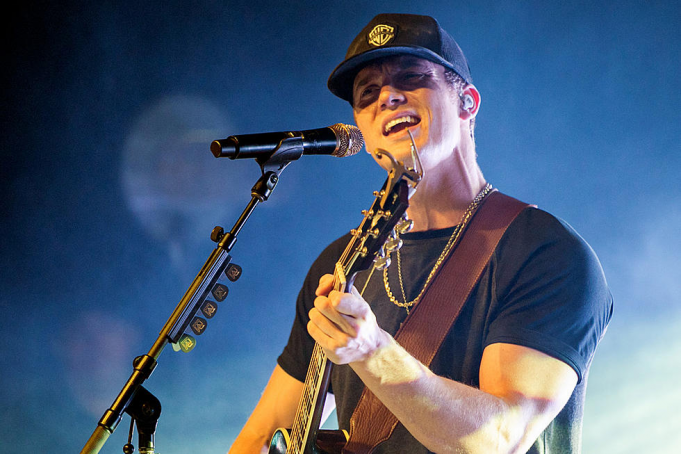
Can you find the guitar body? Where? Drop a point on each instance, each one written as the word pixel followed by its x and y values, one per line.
pixel 328 442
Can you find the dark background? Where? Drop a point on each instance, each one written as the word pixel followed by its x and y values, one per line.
pixel 109 193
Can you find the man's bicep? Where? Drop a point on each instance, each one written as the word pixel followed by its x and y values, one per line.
pixel 536 385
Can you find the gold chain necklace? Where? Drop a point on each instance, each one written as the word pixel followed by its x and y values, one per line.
pixel 445 252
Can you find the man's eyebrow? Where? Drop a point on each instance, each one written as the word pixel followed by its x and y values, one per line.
pixel 406 63
pixel 363 80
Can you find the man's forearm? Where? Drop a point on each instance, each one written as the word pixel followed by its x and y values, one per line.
pixel 276 408
pixel 249 443
pixel 443 415
pixel 521 389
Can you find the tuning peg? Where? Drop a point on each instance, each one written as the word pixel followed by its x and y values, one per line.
pixel 382 260
pixel 394 242
pixel 405 224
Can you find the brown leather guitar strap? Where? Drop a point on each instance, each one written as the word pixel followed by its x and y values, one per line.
pixel 431 319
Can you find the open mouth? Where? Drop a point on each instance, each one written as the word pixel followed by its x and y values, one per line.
pixel 399 124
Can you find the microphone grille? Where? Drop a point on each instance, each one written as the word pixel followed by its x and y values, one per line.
pixel 349 139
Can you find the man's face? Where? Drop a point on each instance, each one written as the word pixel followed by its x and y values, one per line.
pixel 407 92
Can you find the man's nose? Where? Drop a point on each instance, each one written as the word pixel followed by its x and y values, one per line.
pixel 390 97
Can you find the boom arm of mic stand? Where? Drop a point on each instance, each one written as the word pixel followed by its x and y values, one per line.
pixel 183 313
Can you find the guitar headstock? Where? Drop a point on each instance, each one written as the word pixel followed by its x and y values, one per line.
pixel 378 233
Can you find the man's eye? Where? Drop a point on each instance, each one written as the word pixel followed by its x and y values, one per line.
pixel 368 91
pixel 413 76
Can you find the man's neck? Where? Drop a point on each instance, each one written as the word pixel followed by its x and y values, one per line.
pixel 444 194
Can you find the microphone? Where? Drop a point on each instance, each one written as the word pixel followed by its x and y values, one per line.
pixel 338 140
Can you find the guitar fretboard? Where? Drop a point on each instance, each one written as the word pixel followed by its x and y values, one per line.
pixel 311 394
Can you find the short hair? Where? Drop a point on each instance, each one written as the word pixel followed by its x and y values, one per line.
pixel 455 81
pixel 457 84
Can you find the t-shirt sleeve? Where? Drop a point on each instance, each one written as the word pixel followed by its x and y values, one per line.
pixel 551 291
pixel 295 358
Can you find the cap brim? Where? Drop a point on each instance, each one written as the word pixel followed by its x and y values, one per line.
pixel 342 78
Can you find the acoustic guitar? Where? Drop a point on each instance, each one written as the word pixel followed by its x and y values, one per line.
pixel 370 245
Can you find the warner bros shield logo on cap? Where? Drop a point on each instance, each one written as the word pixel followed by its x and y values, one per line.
pixel 381 35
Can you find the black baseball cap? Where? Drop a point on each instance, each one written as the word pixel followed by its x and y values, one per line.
pixel 397 34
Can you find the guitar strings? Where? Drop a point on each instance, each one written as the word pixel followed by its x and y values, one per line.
pixel 318 359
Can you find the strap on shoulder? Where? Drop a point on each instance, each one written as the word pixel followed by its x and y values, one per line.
pixel 431 319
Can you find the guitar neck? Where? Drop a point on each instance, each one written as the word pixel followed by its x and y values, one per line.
pixel 309 414
pixel 389 205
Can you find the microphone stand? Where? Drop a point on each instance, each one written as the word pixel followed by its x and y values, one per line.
pixel 135 399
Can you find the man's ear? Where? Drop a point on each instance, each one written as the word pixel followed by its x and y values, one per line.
pixel 470 102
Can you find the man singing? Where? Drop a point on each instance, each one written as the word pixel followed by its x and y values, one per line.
pixel 510 376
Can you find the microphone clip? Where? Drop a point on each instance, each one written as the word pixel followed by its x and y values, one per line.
pixel 287 150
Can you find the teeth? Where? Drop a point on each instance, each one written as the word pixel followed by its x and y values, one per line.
pixel 392 123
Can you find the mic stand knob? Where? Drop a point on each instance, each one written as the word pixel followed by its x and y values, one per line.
pixel 217 234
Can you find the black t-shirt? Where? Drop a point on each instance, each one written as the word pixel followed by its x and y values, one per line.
pixel 543 288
